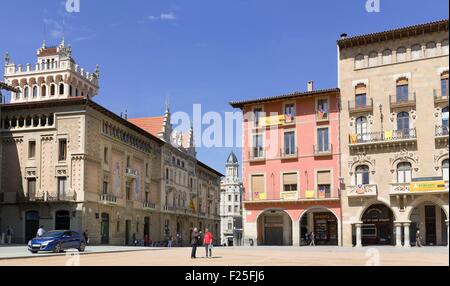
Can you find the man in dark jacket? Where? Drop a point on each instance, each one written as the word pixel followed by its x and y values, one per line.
pixel 194 242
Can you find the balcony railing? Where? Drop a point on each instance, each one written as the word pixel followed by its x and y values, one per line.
pixel 362 191
pixel 131 172
pixel 108 199
pixel 440 96
pixel 358 107
pixel 256 155
pixel 442 131
pixel 289 154
pixel 48 197
pixel 379 137
pixel 323 150
pixel 322 115
pixel 407 100
pixel 147 205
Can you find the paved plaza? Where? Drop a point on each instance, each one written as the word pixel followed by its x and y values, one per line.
pixel 240 256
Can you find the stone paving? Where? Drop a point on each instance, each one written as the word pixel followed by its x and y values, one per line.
pixel 249 256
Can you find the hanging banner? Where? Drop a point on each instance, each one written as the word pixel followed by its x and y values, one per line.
pixel 272 120
pixel 427 186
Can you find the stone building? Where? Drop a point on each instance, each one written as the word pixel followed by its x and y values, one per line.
pixel 394 135
pixel 190 190
pixel 231 204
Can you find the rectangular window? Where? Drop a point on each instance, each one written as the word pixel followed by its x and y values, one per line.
pixel 258 190
pixel 31 149
pixel 360 100
pixel 289 143
pixel 31 187
pixel 444 87
pixel 146 169
pixel 257 115
pixel 105 188
pixel 258 148
pixel 324 184
pixel 322 109
pixel 128 161
pixel 62 187
pixel 322 140
pixel 128 190
pixel 229 209
pixel 289 110
pixel 105 155
pixel 290 182
pixel 229 198
pixel 62 150
pixel 236 209
pixel 230 226
pixel 402 92
pixel 236 198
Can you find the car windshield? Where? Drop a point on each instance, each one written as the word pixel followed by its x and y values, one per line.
pixel 52 234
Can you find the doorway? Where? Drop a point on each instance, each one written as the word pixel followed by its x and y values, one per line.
pixel 31 225
pixel 62 220
pixel 127 232
pixel 104 229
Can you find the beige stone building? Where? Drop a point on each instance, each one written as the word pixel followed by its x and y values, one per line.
pixel 394 136
pixel 190 190
pixel 69 163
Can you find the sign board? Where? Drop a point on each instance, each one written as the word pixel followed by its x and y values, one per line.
pixel 289 195
pixel 272 120
pixel 427 186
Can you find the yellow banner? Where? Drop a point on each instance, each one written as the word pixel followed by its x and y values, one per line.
pixel 272 120
pixel 427 186
pixel 310 194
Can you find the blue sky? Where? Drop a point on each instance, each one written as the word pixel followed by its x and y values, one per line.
pixel 201 51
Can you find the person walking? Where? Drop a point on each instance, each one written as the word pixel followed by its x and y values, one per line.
pixel 40 231
pixel 9 234
pixel 312 237
pixel 86 237
pixel 194 242
pixel 418 239
pixel 170 241
pixel 208 241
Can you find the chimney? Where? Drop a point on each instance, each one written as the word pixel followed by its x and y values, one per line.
pixel 343 36
pixel 310 86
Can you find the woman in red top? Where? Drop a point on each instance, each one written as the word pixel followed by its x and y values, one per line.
pixel 207 241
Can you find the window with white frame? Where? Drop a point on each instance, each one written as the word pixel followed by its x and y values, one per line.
pixel 362 175
pixel 404 173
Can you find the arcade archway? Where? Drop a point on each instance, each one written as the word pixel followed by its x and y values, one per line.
pixel 274 228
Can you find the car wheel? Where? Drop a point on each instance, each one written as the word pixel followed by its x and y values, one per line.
pixel 82 247
pixel 33 252
pixel 57 248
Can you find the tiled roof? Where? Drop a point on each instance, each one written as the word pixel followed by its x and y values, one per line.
pixel 152 125
pixel 240 104
pixel 48 52
pixel 409 31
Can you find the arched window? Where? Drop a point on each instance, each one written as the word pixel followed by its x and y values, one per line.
pixel 430 49
pixel 444 84
pixel 52 89
pixel 401 54
pixel 387 56
pixel 61 88
pixel 403 122
pixel 402 90
pixel 26 92
pixel 18 93
pixel 445 170
pixel 35 91
pixel 416 52
pixel 361 128
pixel 373 59
pixel 444 47
pixel 43 90
pixel 70 90
pixel 359 61
pixel 362 175
pixel 404 172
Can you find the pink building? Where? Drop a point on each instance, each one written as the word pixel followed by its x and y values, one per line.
pixel 291 168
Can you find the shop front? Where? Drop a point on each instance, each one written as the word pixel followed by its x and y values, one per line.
pixel 378 226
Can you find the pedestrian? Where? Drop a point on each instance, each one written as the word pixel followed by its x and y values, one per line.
pixel 86 237
pixel 146 240
pixel 9 234
pixel 312 237
pixel 169 243
pixel 134 239
pixel 178 240
pixel 307 238
pixel 40 231
pixel 418 239
pixel 194 242
pixel 208 241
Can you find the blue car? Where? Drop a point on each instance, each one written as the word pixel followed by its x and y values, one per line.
pixel 57 241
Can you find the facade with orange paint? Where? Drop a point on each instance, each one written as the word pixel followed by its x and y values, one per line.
pixel 291 168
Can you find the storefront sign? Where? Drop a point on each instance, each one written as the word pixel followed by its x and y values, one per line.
pixel 289 195
pixel 427 186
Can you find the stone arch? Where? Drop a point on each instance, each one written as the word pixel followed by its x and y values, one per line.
pixel 375 201
pixel 274 236
pixel 423 199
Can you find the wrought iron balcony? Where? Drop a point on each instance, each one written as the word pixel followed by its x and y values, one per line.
pixel 362 191
pixel 108 199
pixel 358 107
pixel 323 150
pixel 150 206
pixel 131 172
pixel 442 131
pixel 256 155
pixel 289 154
pixel 48 197
pixel 407 100
pixel 382 137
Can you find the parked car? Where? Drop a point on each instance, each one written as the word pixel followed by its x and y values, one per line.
pixel 57 241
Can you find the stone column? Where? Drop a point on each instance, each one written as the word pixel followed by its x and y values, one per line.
pixel 296 233
pixel 358 235
pixel 398 234
pixel 406 230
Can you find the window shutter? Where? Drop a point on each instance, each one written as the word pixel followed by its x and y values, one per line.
pixel 258 183
pixel 290 179
pixel 402 81
pixel 324 178
pixel 360 89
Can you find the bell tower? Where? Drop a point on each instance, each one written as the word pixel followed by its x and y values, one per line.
pixel 55 75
